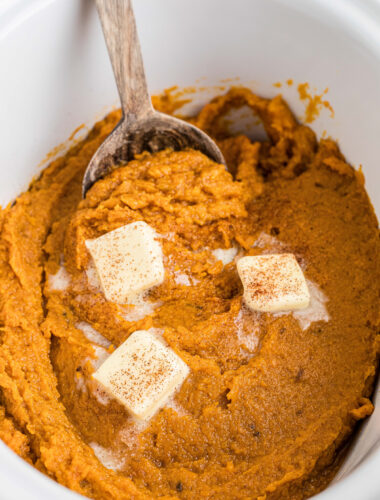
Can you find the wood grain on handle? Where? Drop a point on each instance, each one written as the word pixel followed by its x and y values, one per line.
pixel 119 28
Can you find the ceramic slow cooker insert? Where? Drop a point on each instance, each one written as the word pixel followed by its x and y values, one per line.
pixel 56 76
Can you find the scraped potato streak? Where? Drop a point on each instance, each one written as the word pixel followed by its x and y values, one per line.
pixel 265 410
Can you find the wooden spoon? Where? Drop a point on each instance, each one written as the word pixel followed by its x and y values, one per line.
pixel 141 127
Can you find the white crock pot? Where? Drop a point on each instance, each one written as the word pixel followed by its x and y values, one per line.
pixel 55 75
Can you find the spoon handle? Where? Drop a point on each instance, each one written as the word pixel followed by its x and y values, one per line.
pixel 119 28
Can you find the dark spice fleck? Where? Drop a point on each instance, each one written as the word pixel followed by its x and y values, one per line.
pixel 179 487
pixel 255 432
pixel 300 374
pixel 223 399
pixel 84 483
pixel 274 231
pixel 78 369
pixel 154 439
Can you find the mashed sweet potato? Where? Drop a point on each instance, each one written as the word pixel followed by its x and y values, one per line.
pixel 271 399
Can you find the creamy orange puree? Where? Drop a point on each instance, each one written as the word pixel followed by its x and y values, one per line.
pixel 270 401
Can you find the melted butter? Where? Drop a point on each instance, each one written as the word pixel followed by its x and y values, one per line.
pixel 225 255
pixel 248 328
pixel 59 281
pixel 316 311
pixel 138 308
pixel 107 457
pixel 93 277
pixel 92 335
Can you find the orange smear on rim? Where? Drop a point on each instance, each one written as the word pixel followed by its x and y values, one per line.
pixel 314 102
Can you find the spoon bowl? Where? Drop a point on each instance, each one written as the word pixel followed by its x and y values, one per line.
pixel 141 127
pixel 153 133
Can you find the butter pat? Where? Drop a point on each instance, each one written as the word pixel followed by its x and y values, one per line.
pixel 128 261
pixel 142 374
pixel 273 283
